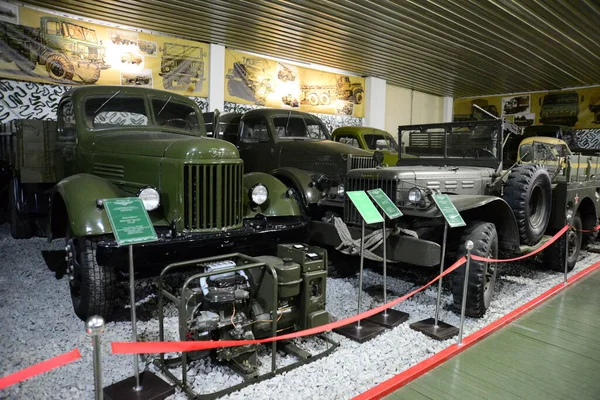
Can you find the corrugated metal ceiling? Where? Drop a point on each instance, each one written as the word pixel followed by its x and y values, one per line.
pixel 447 48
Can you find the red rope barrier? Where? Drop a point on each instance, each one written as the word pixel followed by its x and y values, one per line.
pixel 40 368
pixel 171 347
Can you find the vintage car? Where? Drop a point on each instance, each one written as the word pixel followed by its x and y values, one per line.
pixel 370 139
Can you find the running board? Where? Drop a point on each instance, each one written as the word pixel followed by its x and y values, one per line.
pixel 529 249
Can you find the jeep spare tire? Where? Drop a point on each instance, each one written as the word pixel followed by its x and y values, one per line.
pixel 528 191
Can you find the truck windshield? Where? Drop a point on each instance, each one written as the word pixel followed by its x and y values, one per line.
pixel 381 142
pixel 299 127
pixel 469 141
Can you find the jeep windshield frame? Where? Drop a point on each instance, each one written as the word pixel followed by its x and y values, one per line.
pixel 468 143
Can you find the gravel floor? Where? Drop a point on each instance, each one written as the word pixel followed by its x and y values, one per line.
pixel 37 322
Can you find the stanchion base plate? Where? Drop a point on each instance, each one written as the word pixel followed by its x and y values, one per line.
pixel 367 331
pixel 153 388
pixel 442 332
pixel 389 318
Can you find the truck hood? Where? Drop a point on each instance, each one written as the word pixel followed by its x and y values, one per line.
pixel 323 156
pixel 464 180
pixel 163 144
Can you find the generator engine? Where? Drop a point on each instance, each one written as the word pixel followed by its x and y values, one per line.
pixel 240 305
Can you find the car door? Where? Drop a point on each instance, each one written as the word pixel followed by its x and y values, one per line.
pixel 256 146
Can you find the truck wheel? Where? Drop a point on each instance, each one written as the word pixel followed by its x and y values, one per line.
pixel 324 99
pixel 358 96
pixel 91 78
pixel 554 256
pixel 93 287
pixel 59 67
pixel 313 99
pixel 528 192
pixel 482 275
pixel 21 226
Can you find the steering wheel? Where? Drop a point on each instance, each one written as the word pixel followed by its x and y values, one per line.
pixel 476 152
pixel 178 123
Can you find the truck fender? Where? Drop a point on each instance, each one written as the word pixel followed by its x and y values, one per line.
pixel 75 197
pixel 279 203
pixel 301 181
pixel 490 209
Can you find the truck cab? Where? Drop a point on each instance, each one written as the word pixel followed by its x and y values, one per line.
pixel 369 139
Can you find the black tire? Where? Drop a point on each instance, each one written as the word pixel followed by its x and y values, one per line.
pixel 482 275
pixel 91 78
pixel 21 226
pixel 93 287
pixel 554 256
pixel 528 191
pixel 358 96
pixel 58 67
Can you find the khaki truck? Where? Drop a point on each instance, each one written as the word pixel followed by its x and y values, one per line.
pixel 67 50
pixel 561 108
pixel 115 141
pixel 510 208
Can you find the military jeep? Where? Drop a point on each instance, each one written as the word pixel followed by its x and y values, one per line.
pixel 112 142
pixel 513 210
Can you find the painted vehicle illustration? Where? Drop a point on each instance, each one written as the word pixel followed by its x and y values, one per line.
pixel 560 108
pixel 285 73
pixel 124 38
pixel 136 80
pixel 67 50
pixel 322 95
pixel 147 47
pixel 121 141
pixel 5 12
pixel 475 114
pixel 513 207
pixel 516 105
pixel 248 80
pixel 182 67
pixel 130 58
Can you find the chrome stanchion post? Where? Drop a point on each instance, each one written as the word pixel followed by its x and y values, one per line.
pixel 439 293
pixel 94 326
pixel 567 233
pixel 136 367
pixel 385 312
pixel 469 246
pixel 360 275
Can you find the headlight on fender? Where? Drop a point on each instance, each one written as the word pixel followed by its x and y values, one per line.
pixel 259 194
pixel 415 195
pixel 341 191
pixel 150 197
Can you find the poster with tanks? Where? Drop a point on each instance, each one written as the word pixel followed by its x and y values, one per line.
pixel 42 47
pixel 251 79
pixel 576 112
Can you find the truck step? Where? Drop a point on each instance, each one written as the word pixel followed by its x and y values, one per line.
pixel 529 249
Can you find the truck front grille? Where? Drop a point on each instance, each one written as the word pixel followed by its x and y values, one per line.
pixel 355 162
pixel 351 214
pixel 212 196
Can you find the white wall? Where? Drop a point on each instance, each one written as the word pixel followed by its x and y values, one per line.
pixel 406 107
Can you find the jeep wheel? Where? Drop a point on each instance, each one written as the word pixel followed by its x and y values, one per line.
pixel 482 275
pixel 93 287
pixel 554 256
pixel 59 67
pixel 21 226
pixel 528 191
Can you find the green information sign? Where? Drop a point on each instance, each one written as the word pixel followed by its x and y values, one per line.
pixel 386 204
pixel 130 221
pixel 365 207
pixel 448 210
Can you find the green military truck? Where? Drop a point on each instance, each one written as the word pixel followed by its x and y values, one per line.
pixel 182 67
pixel 296 148
pixel 513 208
pixel 112 142
pixel 66 49
pixel 561 108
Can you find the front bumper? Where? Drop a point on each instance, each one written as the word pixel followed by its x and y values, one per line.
pixel 256 237
pixel 404 249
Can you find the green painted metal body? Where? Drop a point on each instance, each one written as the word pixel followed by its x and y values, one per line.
pixel 300 161
pixel 201 180
pixel 369 139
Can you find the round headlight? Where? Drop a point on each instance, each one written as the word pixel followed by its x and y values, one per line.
pixel 259 194
pixel 415 195
pixel 341 190
pixel 150 197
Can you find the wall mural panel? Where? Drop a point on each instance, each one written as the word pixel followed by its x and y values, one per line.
pixel 39 47
pixel 33 100
pixel 250 79
pixel 576 109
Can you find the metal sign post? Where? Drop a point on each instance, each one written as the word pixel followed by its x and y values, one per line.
pixel 131 225
pixel 361 331
pixel 463 308
pixel 388 318
pixel 433 327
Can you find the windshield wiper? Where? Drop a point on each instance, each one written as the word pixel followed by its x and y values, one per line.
pixel 106 102
pixel 163 107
